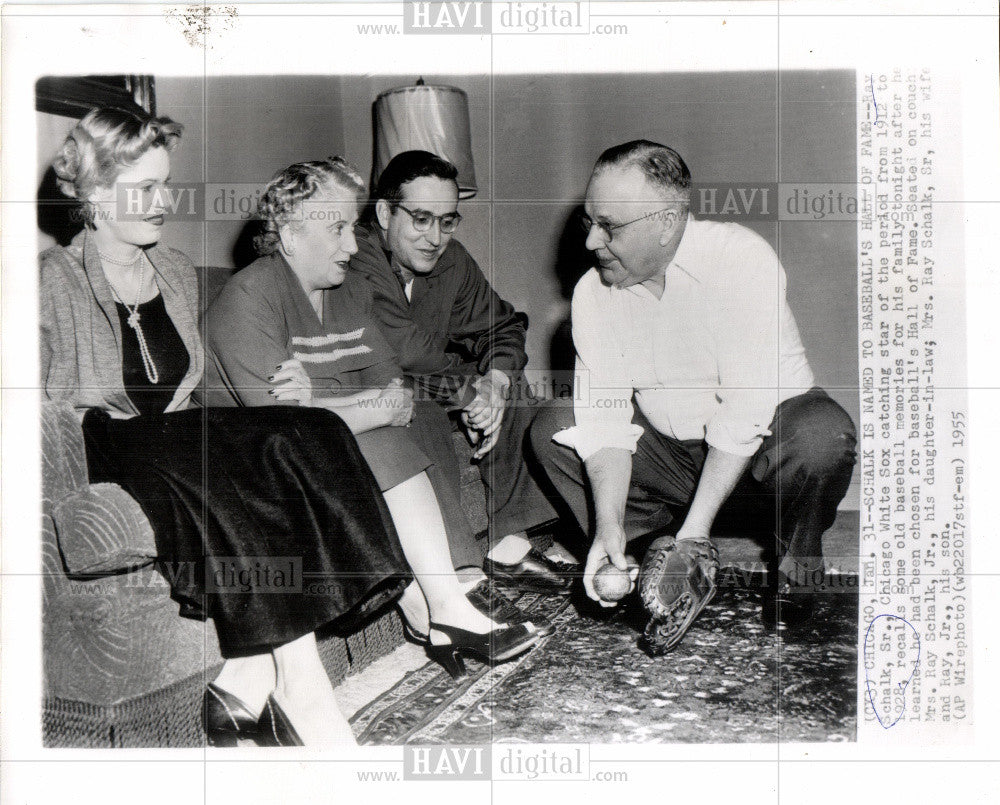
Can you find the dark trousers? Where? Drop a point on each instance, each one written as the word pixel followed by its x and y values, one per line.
pixel 431 430
pixel 792 487
pixel 513 499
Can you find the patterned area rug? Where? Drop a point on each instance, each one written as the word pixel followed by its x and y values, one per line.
pixel 729 680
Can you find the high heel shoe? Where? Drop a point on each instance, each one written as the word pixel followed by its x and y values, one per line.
pixel 226 718
pixel 498 645
pixel 275 727
pixel 497 607
pixel 413 633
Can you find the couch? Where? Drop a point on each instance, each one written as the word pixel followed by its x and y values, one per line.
pixel 121 667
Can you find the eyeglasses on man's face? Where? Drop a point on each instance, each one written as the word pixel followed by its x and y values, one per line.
pixel 608 230
pixel 424 220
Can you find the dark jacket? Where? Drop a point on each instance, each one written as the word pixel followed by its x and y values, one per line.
pixel 454 329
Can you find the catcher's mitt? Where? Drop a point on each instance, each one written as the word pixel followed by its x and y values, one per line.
pixel 676 580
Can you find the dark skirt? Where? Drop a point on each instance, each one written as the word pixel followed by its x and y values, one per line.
pixel 268 520
pixel 397 454
pixel 392 456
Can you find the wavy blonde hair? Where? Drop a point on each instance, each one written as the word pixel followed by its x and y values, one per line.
pixel 284 195
pixel 102 144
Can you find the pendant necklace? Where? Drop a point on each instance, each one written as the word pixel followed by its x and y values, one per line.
pixel 134 316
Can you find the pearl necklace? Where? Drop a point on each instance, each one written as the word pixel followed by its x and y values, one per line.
pixel 108 259
pixel 134 316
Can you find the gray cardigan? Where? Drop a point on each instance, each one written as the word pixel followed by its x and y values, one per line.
pixel 81 341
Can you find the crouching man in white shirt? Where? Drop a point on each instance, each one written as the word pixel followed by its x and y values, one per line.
pixel 698 391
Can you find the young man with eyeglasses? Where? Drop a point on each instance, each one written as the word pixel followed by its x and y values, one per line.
pixel 464 348
pixel 698 393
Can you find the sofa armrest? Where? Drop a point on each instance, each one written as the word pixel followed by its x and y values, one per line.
pixel 64 458
pixel 98 528
pixel 102 530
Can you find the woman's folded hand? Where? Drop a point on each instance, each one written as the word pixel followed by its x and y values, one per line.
pixel 398 403
pixel 291 382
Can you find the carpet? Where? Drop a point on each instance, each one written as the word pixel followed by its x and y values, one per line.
pixel 729 680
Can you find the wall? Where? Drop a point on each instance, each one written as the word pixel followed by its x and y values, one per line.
pixel 242 131
pixel 52 130
pixel 53 214
pixel 182 99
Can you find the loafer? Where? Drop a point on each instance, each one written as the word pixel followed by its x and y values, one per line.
pixel 497 607
pixel 535 573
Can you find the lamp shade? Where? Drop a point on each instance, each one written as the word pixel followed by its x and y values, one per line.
pixel 426 117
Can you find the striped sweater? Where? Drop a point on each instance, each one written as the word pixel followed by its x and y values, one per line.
pixel 263 317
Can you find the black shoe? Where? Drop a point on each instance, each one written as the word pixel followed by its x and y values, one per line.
pixel 535 573
pixel 226 718
pixel 497 645
pixel 497 607
pixel 412 633
pixel 787 607
pixel 275 727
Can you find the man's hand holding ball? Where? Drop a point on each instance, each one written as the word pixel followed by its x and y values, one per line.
pixel 612 584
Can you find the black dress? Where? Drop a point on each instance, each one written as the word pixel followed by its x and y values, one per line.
pixel 267 520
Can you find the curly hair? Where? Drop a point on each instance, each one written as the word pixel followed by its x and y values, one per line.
pixel 281 202
pixel 105 142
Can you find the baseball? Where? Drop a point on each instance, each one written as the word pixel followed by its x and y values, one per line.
pixel 612 584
